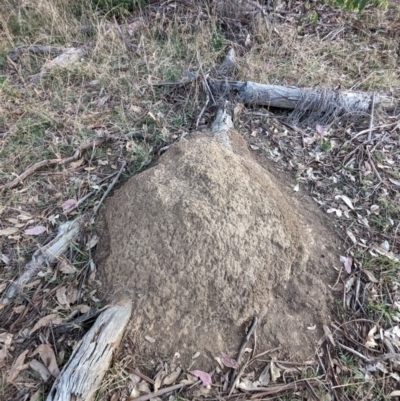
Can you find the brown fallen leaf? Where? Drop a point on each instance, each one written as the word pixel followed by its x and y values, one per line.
pixel 172 377
pixel 17 367
pixel 76 164
pixel 203 376
pixel 37 230
pixel 48 357
pixel 228 361
pixel 370 275
pixel 68 204
pixel 150 339
pixel 41 369
pixel 66 268
pixel 52 319
pixel 8 231
pixel 61 295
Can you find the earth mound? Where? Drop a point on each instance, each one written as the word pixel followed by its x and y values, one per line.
pixel 205 240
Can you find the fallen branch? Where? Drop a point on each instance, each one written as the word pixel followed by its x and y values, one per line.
pixel 16 53
pixel 284 387
pixel 97 141
pixel 288 97
pixel 82 375
pixel 309 105
pixel 67 233
pixel 114 181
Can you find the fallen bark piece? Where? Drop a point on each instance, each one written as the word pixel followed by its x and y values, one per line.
pixel 67 233
pixel 82 375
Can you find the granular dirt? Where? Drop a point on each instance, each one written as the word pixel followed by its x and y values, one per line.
pixel 205 240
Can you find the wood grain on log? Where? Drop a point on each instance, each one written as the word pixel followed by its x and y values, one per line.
pixel 81 377
pixel 287 97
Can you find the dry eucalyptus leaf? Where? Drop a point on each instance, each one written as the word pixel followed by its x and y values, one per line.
pixel 135 393
pixel 150 339
pixel 68 204
pixel 8 231
pixel 351 236
pixel 371 343
pixel 6 338
pixel 66 268
pixel 172 377
pixel 61 295
pixel 82 308
pixel 41 369
pixel 4 258
pixel 17 367
pixel 203 376
pixel 275 372
pixel 264 378
pixel 346 200
pixel 37 230
pixel 135 379
pixel 76 164
pixel 48 357
pixel 92 242
pixel 347 263
pixel 371 276
pixel 52 319
pixel 248 385
pixel 19 309
pixel 143 387
pixel 228 361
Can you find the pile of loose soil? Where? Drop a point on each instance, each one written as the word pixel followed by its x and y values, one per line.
pixel 205 240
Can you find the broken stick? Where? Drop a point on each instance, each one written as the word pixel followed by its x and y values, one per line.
pixel 82 375
pixel 67 233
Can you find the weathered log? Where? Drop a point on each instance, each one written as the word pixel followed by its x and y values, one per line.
pixel 45 50
pixel 82 375
pixel 44 256
pixel 288 97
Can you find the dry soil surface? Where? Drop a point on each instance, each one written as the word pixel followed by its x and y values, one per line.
pixel 206 239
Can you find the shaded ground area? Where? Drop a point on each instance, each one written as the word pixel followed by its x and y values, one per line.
pixel 204 241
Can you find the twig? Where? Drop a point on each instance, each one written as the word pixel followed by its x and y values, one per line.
pixel 371 162
pixel 371 120
pixel 114 181
pixel 158 393
pixel 284 387
pixel 235 374
pixel 143 376
pixel 204 78
pixel 366 131
pixel 364 358
pixel 130 46
pixel 204 107
pixel 97 141
pixel 247 338
pixel 371 361
pixel 81 200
